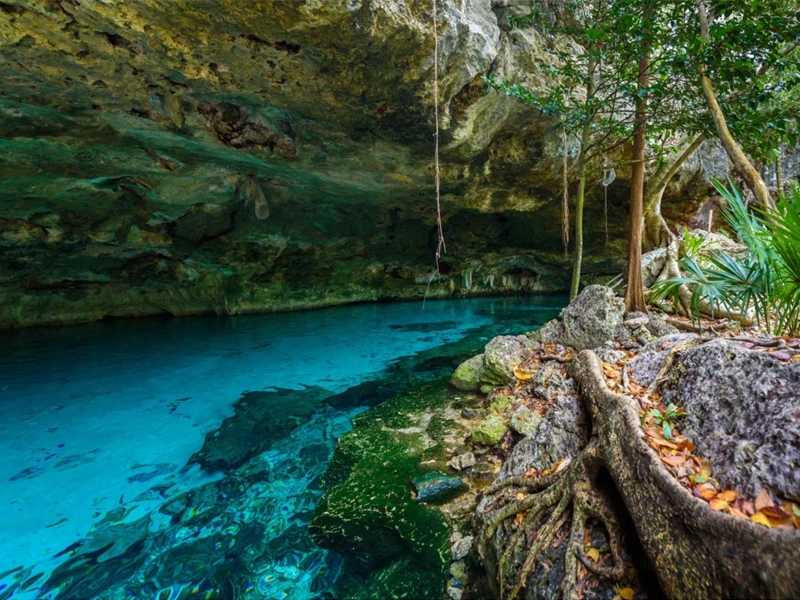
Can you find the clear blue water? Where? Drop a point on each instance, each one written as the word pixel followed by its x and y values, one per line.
pixel 180 458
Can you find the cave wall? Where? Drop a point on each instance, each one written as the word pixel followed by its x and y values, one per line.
pixel 230 156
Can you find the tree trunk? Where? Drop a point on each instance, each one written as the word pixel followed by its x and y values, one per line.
pixel 634 294
pixel 585 139
pixel 696 552
pixel 741 163
pixel 778 174
pixel 657 233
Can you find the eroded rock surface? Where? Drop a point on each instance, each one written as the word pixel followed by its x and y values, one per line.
pixel 588 322
pixel 743 413
pixel 183 157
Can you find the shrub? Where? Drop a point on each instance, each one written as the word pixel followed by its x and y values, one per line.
pixel 764 281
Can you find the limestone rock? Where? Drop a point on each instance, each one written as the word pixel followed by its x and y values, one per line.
pixel 461 547
pixel 500 405
pixel 462 461
pixel 648 363
pixel 501 355
pixel 561 434
pixel 468 374
pixel 609 355
pixel 524 421
pixel 588 322
pixel 658 326
pixel 743 414
pixel 490 431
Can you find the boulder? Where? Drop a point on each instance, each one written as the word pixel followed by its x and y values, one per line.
pixel 743 414
pixel 561 434
pixel 462 461
pixel 461 548
pixel 524 421
pixel 587 322
pixel 501 356
pixel 500 405
pixel 490 431
pixel 467 376
pixel 644 368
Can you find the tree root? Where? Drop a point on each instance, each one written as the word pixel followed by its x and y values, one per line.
pixel 571 490
pixel 695 551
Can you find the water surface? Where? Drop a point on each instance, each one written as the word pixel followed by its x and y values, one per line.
pixel 180 458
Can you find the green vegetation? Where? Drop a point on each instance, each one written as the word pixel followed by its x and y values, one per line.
pixel 667 76
pixel 762 281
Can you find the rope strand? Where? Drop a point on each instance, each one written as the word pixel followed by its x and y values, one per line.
pixel 441 247
pixel 565 198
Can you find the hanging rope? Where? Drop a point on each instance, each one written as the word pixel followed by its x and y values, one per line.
pixel 609 175
pixel 441 248
pixel 565 197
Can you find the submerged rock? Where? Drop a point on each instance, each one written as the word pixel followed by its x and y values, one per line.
pixel 435 486
pixel 368 513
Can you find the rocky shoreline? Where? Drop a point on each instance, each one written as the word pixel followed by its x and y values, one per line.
pixel 516 417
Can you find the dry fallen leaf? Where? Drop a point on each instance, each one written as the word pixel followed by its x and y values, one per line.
pixel 763 499
pixel 563 464
pixel 760 519
pixel 674 460
pixel 774 512
pixel 745 506
pixel 593 554
pixel 737 513
pixel 728 496
pixel 626 593
pixel 706 492
pixel 718 504
pixel 665 443
pixel 522 375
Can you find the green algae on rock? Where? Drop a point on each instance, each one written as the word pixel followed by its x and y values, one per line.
pixel 490 431
pixel 368 513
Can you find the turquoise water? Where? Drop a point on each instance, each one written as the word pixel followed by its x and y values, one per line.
pixel 180 458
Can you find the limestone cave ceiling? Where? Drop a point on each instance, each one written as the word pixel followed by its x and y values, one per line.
pixel 185 156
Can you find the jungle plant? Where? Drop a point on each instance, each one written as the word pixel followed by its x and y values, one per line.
pixel 763 281
pixel 666 420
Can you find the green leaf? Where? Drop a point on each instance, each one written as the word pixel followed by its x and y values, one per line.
pixel 667 429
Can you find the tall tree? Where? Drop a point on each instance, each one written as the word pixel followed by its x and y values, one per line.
pixel 737 156
pixel 634 293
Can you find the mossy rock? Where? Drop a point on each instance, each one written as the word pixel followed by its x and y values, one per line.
pixel 500 404
pixel 467 376
pixel 490 431
pixel 368 512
